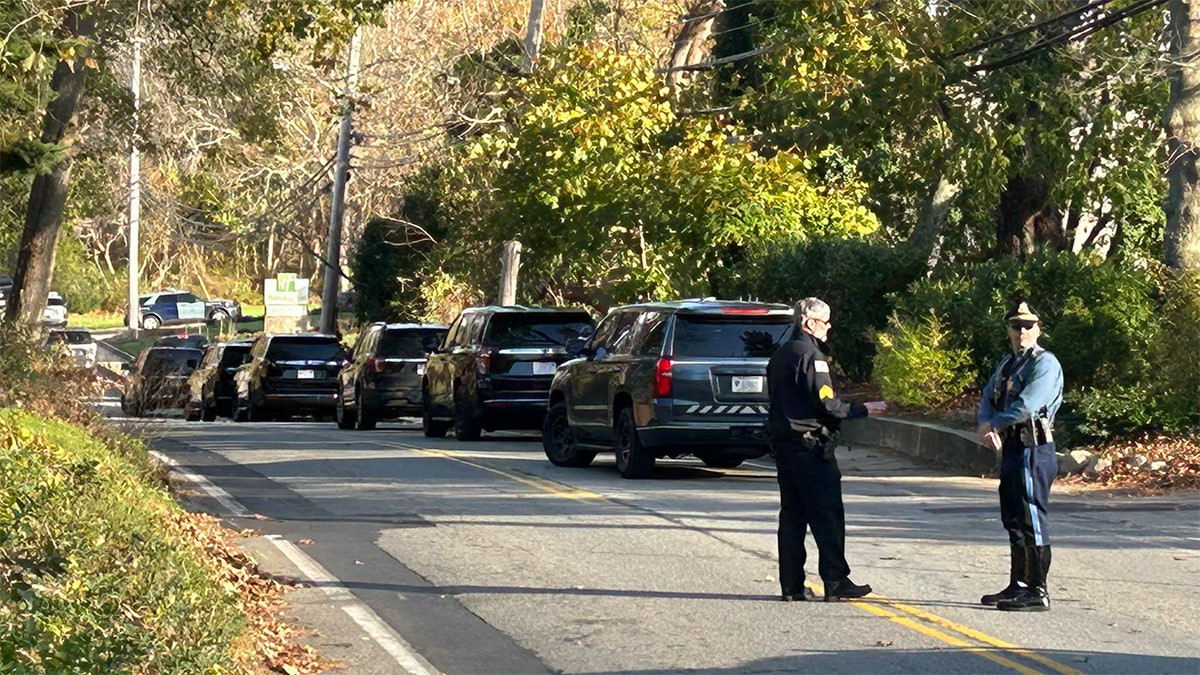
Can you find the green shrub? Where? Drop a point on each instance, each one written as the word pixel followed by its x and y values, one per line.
pixel 95 573
pixel 915 363
pixel 855 276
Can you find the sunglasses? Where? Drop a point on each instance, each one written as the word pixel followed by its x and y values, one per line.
pixel 1022 325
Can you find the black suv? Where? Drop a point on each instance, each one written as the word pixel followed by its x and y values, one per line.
pixel 667 379
pixel 158 379
pixel 211 386
pixel 383 378
pixel 494 368
pixel 288 374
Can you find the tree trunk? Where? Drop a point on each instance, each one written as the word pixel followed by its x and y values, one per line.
pixel 932 218
pixel 689 48
pixel 1026 218
pixel 533 36
pixel 1181 238
pixel 48 196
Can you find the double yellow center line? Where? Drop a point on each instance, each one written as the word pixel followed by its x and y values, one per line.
pixel 991 648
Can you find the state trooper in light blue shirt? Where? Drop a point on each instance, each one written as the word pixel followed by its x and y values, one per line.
pixel 1016 416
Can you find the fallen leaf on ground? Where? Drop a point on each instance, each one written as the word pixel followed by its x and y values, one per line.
pixel 304 542
pixel 883 643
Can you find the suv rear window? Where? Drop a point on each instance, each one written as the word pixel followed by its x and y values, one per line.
pixel 71 337
pixel 304 349
pixel 718 336
pixel 167 361
pixel 410 343
pixel 535 330
pixel 234 355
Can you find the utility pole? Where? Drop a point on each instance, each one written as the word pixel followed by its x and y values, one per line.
pixel 135 190
pixel 510 265
pixel 533 36
pixel 333 254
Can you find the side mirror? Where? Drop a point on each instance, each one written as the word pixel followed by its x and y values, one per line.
pixel 127 368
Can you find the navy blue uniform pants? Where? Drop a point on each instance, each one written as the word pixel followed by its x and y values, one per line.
pixel 1025 478
pixel 810 495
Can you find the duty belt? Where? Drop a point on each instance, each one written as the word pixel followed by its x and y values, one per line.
pixel 1032 433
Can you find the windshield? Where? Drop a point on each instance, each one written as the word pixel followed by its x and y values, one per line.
pixel 536 330
pixel 171 361
pixel 718 336
pixel 410 343
pixel 305 349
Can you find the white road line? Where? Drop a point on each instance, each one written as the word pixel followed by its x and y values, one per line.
pixel 391 642
pixel 222 497
pixel 405 655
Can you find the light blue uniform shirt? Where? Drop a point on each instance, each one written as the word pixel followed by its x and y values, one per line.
pixel 1035 390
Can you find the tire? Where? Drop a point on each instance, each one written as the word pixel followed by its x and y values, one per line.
pixel 342 416
pixel 208 413
pixel 466 425
pixel 365 420
pixel 432 428
pixel 558 440
pixel 719 461
pixel 126 407
pixel 151 322
pixel 633 460
pixel 241 413
pixel 190 414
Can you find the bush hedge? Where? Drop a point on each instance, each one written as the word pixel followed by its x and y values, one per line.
pixel 858 278
pixel 96 574
pixel 1124 330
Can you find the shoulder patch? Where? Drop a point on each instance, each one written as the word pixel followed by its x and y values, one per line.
pixel 820 366
pixel 825 392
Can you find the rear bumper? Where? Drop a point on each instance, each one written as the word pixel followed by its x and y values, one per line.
pixel 301 400
pixel 513 410
pixel 747 439
pixel 395 401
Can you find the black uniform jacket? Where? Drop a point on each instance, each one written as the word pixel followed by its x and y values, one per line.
pixel 801 391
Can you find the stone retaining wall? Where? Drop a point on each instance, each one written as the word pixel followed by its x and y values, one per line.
pixel 952 449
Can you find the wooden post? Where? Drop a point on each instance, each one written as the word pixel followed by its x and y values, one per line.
pixel 533 36
pixel 510 265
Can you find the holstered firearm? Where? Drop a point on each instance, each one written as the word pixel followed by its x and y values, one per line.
pixel 1037 431
pixel 826 439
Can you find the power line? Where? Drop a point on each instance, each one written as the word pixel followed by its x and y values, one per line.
pixel 1021 31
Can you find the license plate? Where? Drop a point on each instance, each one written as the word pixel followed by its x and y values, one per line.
pixel 306 375
pixel 544 367
pixel 748 385
pixel 420 368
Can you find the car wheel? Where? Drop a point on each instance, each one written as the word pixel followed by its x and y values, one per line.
pixel 341 415
pixel 432 428
pixel 126 408
pixel 241 411
pixel 208 412
pixel 190 413
pixel 558 439
pixel 719 461
pixel 365 420
pixel 466 423
pixel 151 322
pixel 633 460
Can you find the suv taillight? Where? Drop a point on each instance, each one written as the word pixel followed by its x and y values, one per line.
pixel 484 363
pixel 378 363
pixel 662 378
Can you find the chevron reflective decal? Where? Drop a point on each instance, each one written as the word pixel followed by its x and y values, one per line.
pixel 697 409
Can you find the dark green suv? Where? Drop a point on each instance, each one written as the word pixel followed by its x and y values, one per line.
pixel 667 379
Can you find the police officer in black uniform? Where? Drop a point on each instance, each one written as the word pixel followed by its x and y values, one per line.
pixel 804 418
pixel 1016 416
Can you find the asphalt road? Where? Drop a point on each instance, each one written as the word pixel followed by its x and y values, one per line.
pixel 485 558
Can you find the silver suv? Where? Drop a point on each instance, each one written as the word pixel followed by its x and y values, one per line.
pixel 667 379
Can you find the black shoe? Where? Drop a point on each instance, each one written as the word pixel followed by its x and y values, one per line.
pixel 845 590
pixel 1011 591
pixel 1028 600
pixel 807 595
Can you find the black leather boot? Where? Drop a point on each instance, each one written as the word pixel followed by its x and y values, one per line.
pixel 1035 598
pixel 845 590
pixel 1016 577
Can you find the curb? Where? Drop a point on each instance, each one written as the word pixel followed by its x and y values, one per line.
pixel 954 449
